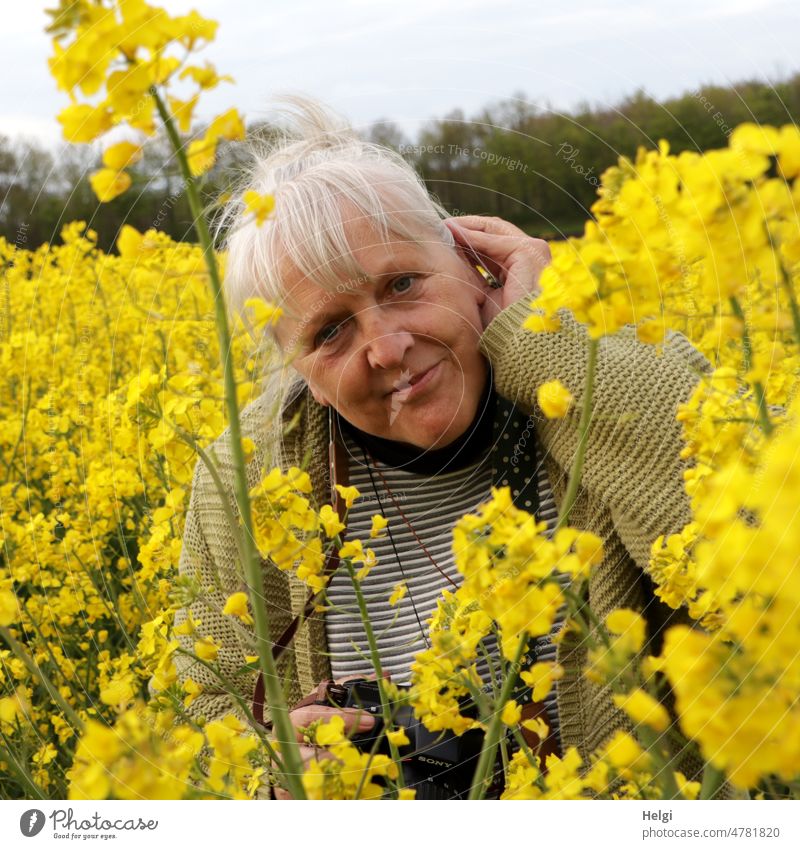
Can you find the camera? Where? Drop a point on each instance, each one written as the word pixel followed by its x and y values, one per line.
pixel 437 764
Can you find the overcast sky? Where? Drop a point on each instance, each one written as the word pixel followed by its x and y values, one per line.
pixel 414 60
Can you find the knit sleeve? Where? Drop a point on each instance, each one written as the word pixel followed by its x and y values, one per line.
pixel 216 582
pixel 633 464
pixel 210 557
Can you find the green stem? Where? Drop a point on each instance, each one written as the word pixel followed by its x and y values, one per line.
pixel 217 481
pixel 665 775
pixel 22 774
pixel 583 435
pixel 713 779
pixel 793 307
pixel 531 755
pixel 747 362
pixel 34 669
pixel 46 643
pixel 763 415
pixel 376 663
pixel 279 710
pixel 795 312
pixel 482 779
pixel 747 345
pixel 587 617
pixel 243 706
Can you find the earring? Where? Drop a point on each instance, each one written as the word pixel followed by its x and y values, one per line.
pixel 491 281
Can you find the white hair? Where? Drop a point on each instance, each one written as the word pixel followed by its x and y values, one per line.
pixel 317 169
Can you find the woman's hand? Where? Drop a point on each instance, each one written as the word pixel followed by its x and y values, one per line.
pixel 512 256
pixel 355 722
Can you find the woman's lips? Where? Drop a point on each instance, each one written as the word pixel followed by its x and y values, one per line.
pixel 418 386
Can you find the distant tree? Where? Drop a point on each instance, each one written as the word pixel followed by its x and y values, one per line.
pixel 387 133
pixel 532 164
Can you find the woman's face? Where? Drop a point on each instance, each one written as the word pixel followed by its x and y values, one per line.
pixel 396 351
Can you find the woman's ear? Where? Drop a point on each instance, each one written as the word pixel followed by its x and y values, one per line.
pixel 479 283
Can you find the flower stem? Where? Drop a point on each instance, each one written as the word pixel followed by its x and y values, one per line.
pixel 33 789
pixel 260 731
pixel 35 670
pixel 747 362
pixel 583 434
pixel 376 663
pixel 279 710
pixel 481 781
pixel 713 779
pixel 665 776
pixel 763 415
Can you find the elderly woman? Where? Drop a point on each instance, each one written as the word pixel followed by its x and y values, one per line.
pixel 402 343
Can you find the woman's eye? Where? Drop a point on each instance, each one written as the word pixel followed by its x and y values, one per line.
pixel 398 283
pixel 328 334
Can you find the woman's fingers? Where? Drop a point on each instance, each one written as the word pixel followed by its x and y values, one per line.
pixel 502 242
pixel 354 719
pixel 513 256
pixel 489 224
pixel 470 240
pixel 307 753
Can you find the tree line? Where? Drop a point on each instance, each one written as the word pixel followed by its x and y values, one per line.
pixel 533 165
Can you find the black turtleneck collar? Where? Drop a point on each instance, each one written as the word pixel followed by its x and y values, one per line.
pixel 464 451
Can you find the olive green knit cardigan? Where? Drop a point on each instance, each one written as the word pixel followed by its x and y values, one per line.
pixel 631 491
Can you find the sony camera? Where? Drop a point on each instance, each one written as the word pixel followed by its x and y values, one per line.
pixel 438 765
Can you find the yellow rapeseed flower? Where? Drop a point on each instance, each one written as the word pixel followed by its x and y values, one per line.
pixel 369 562
pixel 201 155
pixel 512 713
pixel 398 593
pixel 330 732
pixel 629 625
pixel 349 493
pixel 379 524
pixel 207 648
pixel 82 123
pixel 9 608
pixel 192 690
pixel 643 709
pixel 398 737
pixel 329 520
pixel 262 314
pixel 540 678
pixel 236 605
pixel 108 184
pixel 182 111
pixel 121 155
pixel 118 691
pixel 554 399
pixel 261 206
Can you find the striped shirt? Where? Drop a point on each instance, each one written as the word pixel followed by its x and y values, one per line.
pixel 432 504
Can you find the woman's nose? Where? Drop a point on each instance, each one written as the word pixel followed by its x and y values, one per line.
pixel 387 348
